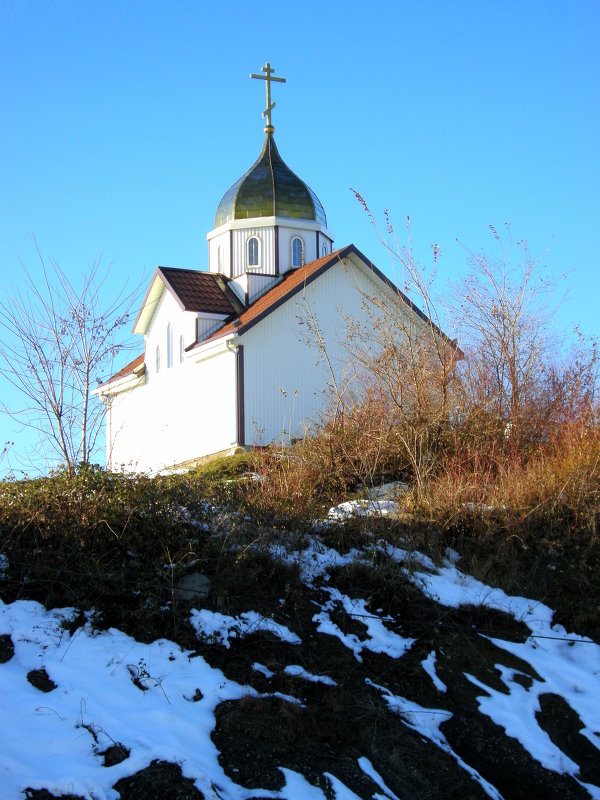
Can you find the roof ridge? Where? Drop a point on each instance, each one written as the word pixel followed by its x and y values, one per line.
pixel 184 269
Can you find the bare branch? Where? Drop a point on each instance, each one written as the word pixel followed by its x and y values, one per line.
pixel 57 338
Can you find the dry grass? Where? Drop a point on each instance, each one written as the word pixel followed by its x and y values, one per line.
pixel 556 484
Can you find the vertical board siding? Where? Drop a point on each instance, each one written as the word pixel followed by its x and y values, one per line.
pixel 266 237
pixel 286 375
pixel 207 326
pixel 285 246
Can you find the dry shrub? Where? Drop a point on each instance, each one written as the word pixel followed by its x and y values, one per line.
pixel 290 485
pixel 73 538
pixel 556 487
pixel 362 444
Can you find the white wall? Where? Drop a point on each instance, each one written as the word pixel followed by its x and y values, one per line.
pixel 183 324
pixel 183 414
pixel 179 413
pixel 282 358
pixel 266 238
pixel 222 241
pixel 208 324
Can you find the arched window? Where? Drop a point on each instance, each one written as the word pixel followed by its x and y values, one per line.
pixel 253 254
pixel 169 346
pixel 181 349
pixel 324 250
pixel 158 358
pixel 297 252
pixel 219 260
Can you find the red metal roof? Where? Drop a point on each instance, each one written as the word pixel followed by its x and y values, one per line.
pixel 128 369
pixel 205 291
pixel 289 285
pixel 293 281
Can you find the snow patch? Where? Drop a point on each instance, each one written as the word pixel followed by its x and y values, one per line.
pixel 379 638
pixel 362 508
pixel 427 721
pixel 297 671
pixel 262 669
pixel 221 628
pixel 428 665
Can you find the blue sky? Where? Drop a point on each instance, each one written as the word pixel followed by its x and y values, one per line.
pixel 125 122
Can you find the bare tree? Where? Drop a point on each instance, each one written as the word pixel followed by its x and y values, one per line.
pixel 398 398
pixel 57 338
pixel 505 308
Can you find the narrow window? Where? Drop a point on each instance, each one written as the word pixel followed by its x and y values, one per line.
pixel 324 250
pixel 219 260
pixel 181 349
pixel 297 252
pixel 169 346
pixel 253 252
pixel 158 358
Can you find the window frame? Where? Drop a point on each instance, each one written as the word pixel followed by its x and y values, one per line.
pixel 169 345
pixel 302 259
pixel 249 241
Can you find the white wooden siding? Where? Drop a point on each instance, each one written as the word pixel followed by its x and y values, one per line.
pixel 285 375
pixel 266 238
pixel 207 326
pixel 259 284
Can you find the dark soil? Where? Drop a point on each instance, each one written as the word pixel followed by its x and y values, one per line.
pixel 7 648
pixel 331 727
pixel 39 678
pixel 159 781
pixel 563 727
pixel 114 754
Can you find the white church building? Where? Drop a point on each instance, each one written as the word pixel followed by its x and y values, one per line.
pixel 233 356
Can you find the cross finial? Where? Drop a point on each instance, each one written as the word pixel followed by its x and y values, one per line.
pixel 268 77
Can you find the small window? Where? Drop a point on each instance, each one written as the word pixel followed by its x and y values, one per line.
pixel 158 358
pixel 181 349
pixel 324 250
pixel 169 346
pixel 253 260
pixel 219 260
pixel 297 252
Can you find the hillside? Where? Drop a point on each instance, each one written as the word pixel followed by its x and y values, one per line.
pixel 333 660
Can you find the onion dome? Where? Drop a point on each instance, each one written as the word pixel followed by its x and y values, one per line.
pixel 269 189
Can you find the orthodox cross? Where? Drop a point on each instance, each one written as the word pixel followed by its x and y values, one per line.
pixel 268 77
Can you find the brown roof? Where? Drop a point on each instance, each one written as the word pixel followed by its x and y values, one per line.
pixel 128 369
pixel 187 286
pixel 198 291
pixel 295 280
pixel 291 283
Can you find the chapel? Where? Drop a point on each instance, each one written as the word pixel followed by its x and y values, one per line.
pixel 244 353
